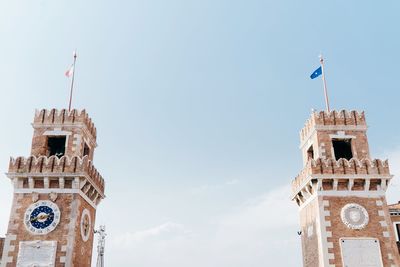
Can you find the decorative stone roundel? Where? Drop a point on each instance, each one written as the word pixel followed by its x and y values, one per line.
pixel 86 225
pixel 354 216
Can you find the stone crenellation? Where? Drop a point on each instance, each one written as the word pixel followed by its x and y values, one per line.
pixel 64 116
pixel 53 164
pixel 332 118
pixel 340 167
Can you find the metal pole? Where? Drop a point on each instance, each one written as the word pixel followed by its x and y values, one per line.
pixel 101 245
pixel 72 82
pixel 321 59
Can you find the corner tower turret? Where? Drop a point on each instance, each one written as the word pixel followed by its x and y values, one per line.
pixel 56 193
pixel 335 135
pixel 59 133
pixel 341 194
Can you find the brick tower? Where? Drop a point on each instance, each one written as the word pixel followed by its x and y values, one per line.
pixel 56 192
pixel 344 217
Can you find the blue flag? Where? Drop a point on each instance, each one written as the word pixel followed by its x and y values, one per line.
pixel 316 73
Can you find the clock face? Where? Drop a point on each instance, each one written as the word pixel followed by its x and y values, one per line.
pixel 42 217
pixel 86 225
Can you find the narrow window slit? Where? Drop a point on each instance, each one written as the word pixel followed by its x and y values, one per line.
pixel 310 153
pixel 86 150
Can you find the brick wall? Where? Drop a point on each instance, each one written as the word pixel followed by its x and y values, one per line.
pixel 309 234
pixel 379 226
pixel 17 227
pixel 71 249
pixel 1 247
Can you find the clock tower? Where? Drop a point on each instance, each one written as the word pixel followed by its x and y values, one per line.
pixel 341 194
pixel 56 193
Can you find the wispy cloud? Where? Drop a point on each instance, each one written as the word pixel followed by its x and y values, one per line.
pixel 232 182
pixel 162 231
pixel 209 187
pixel 273 209
pixel 260 232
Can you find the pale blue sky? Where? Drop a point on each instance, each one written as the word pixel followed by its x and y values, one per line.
pixel 198 105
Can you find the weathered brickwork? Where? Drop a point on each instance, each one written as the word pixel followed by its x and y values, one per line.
pixel 68 180
pixel 338 172
pixel 17 227
pixel 379 226
pixel 82 255
pixel 309 236
pixel 1 248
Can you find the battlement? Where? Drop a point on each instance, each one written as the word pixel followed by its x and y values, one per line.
pixel 340 169
pixel 63 116
pixel 332 118
pixel 53 165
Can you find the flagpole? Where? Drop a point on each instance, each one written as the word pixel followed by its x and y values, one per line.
pixel 72 82
pixel 321 59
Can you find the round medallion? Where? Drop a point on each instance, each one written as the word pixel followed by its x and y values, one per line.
pixel 354 216
pixel 86 224
pixel 42 217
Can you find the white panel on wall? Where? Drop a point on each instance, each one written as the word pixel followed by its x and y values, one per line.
pixel 361 252
pixel 37 253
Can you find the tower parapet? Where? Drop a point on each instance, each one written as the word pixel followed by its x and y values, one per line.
pixel 336 155
pixel 342 175
pixel 341 118
pixel 62 132
pixel 62 155
pixel 54 168
pixel 324 132
pixel 65 117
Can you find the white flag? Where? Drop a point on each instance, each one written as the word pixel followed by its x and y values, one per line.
pixel 70 71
